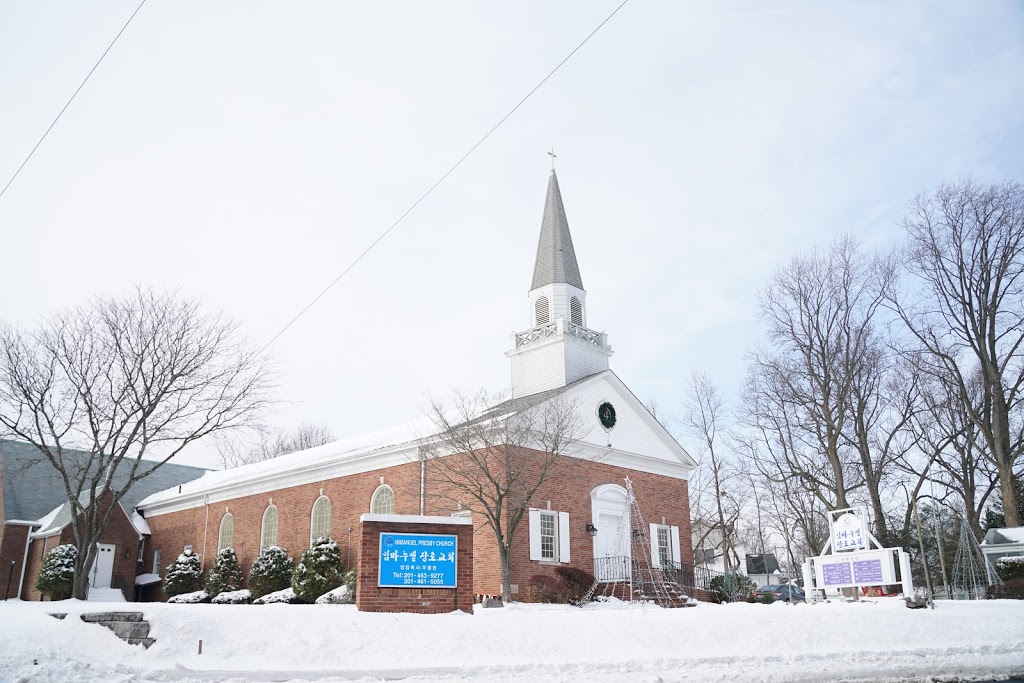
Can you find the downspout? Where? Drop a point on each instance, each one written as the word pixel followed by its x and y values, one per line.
pixel 206 525
pixel 24 561
pixel 423 474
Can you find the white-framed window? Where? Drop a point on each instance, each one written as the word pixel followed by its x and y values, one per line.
pixel 575 311
pixel 549 535
pixel 268 529
pixel 320 519
pixel 156 562
pixel 383 501
pixel 227 532
pixel 541 310
pixel 142 548
pixel 664 545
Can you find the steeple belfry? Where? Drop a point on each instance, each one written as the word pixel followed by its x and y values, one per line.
pixel 559 348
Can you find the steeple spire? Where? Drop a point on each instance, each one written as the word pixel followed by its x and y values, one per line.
pixel 556 258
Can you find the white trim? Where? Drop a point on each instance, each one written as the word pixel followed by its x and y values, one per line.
pixel 463 518
pixel 373 499
pixel 677 553
pixel 655 544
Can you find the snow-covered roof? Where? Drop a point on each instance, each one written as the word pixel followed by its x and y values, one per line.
pixel 147 579
pixel 140 524
pixel 1012 535
pixel 345 456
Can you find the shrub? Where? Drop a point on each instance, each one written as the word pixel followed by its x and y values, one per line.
pixel 766 599
pixel 544 588
pixel 226 573
pixel 575 582
pixel 731 588
pixel 241 597
pixel 57 575
pixel 318 571
pixel 1010 590
pixel 184 575
pixel 271 572
pixel 284 596
pixel 190 598
pixel 1010 568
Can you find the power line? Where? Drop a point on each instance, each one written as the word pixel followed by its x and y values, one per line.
pixel 73 96
pixel 441 179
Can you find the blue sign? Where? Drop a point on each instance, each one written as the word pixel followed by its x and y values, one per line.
pixel 418 561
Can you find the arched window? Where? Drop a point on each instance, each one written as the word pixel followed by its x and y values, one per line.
pixel 540 310
pixel 227 532
pixel 268 531
pixel 575 311
pixel 320 520
pixel 383 501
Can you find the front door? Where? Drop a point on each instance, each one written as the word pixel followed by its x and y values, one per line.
pixel 611 549
pixel 102 566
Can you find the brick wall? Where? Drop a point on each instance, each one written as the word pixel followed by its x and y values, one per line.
pixel 372 598
pixel 12 551
pixel 569 491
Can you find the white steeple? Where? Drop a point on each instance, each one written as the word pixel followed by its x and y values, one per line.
pixel 558 348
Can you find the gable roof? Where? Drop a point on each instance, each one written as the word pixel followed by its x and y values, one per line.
pixel 556 258
pixel 32 488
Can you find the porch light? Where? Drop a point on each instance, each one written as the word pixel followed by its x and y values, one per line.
pixel 591 529
pixel 637 534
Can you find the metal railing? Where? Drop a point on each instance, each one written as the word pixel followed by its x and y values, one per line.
pixel 686 576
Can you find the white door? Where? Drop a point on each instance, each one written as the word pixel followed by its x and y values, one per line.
pixel 611 549
pixel 103 566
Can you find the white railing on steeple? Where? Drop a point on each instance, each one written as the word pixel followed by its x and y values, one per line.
pixel 556 327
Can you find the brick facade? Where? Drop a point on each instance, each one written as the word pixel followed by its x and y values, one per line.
pixel 372 598
pixel 662 499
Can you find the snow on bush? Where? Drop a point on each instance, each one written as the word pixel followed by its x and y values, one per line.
pixel 285 596
pixel 242 597
pixel 184 575
pixel 226 573
pixel 318 571
pixel 190 598
pixel 271 572
pixel 1010 568
pixel 338 596
pixel 58 572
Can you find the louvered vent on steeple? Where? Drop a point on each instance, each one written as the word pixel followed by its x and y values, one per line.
pixel 576 311
pixel 542 311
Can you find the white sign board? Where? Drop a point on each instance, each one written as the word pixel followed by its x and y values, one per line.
pixel 866 568
pixel 848 533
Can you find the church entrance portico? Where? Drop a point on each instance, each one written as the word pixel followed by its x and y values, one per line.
pixel 609 503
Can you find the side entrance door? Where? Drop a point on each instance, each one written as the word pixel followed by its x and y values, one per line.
pixel 102 566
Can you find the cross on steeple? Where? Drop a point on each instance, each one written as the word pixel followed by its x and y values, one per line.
pixel 552 154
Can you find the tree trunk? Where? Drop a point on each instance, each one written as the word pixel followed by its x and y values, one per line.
pixel 83 563
pixel 506 573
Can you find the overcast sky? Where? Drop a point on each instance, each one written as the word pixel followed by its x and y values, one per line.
pixel 245 153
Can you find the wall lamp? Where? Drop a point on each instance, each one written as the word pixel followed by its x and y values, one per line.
pixel 591 529
pixel 637 534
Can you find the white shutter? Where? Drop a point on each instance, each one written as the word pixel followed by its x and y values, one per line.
pixel 655 555
pixel 535 534
pixel 676 552
pixel 563 536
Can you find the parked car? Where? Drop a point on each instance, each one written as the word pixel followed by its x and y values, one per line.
pixel 781 592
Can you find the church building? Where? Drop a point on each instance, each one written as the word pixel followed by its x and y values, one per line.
pixel 574 517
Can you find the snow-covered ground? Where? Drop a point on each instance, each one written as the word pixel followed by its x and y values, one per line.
pixel 876 640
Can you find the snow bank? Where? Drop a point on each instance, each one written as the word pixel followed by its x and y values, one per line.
pixel 878 640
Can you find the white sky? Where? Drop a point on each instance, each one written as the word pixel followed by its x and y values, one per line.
pixel 245 153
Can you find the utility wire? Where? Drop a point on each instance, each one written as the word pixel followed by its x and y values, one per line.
pixel 73 96
pixel 441 179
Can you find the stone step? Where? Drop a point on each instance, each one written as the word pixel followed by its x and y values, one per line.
pixel 128 626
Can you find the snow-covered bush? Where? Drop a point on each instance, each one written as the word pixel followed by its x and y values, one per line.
pixel 190 598
pixel 732 587
pixel 226 573
pixel 271 572
pixel 318 571
pixel 58 572
pixel 184 575
pixel 338 596
pixel 242 597
pixel 286 596
pixel 1010 568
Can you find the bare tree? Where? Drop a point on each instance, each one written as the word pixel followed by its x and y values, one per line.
pixel 128 383
pixel 267 444
pixel 966 256
pixel 715 511
pixel 492 457
pixel 803 391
